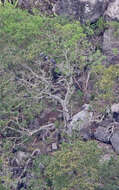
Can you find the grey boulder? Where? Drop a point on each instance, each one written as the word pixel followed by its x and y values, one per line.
pixel 111 36
pixel 115 108
pixel 102 134
pixel 110 45
pixel 86 133
pixel 115 141
pixel 80 120
pixel 115 112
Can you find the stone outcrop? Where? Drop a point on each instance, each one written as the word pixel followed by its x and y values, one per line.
pixel 115 140
pixel 86 133
pixel 115 137
pixel 115 108
pixel 80 121
pixel 115 112
pixel 110 45
pixel 102 134
pixel 111 35
pixel 83 10
pixel 108 130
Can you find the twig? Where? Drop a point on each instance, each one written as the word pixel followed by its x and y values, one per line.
pixel 28 132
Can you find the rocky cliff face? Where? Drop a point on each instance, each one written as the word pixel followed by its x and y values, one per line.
pixel 111 35
pixel 88 10
pixel 83 10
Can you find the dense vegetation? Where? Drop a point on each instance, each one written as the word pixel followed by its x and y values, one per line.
pixel 35 51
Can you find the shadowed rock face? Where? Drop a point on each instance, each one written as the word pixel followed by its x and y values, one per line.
pixel 111 45
pixel 115 141
pixel 83 10
pixel 86 133
pixel 111 36
pixel 102 134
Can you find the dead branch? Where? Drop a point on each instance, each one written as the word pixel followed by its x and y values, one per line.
pixel 27 132
pixel 43 85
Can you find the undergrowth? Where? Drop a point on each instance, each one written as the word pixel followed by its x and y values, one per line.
pixel 27 40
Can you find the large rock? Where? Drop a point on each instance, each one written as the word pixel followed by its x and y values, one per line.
pixel 111 36
pixel 111 44
pixel 80 120
pixel 102 134
pixel 86 133
pixel 115 141
pixel 115 108
pixel 83 10
pixel 115 112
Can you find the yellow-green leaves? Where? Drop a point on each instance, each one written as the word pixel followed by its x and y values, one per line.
pixel 74 167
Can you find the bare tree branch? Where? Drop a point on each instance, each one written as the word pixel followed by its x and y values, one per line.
pixel 27 132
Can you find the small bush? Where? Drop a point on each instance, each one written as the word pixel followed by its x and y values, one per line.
pixel 75 167
pixel 109 175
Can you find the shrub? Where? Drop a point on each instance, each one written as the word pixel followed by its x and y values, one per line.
pixel 74 167
pixel 109 175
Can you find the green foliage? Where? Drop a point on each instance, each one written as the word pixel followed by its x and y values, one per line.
pixel 23 39
pixel 109 172
pixel 100 25
pixel 96 28
pixel 115 51
pixel 107 78
pixel 74 167
pixel 39 181
pixel 19 26
pixel 80 93
pixel 115 28
pixel 57 37
pixel 2 187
